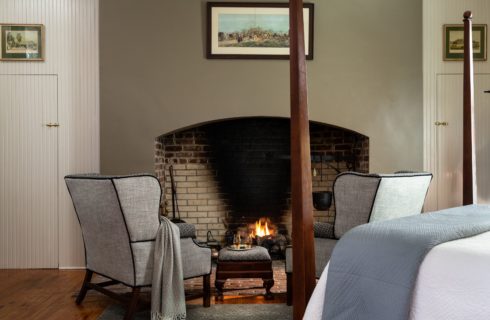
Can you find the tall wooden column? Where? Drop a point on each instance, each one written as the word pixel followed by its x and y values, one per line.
pixel 469 158
pixel 301 196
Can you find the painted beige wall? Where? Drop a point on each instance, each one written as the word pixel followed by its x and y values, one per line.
pixel 366 76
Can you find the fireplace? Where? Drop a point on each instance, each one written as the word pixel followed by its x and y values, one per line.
pixel 234 174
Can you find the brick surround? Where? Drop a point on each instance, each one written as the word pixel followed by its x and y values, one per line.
pixel 236 171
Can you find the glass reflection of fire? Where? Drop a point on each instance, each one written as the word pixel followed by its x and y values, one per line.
pixel 263 227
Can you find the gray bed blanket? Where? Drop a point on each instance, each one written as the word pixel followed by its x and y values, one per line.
pixel 374 267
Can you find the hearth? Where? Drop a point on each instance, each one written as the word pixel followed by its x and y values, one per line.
pixel 232 174
pixel 262 232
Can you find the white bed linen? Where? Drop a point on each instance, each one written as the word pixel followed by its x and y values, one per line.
pixel 453 283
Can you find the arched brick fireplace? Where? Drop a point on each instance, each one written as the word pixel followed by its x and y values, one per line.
pixel 233 172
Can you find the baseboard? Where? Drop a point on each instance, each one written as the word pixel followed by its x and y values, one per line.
pixel 72 268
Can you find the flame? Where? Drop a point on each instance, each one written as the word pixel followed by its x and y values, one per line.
pixel 261 228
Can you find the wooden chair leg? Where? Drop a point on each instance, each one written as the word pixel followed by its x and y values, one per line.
pixel 84 289
pixel 206 299
pixel 133 304
pixel 289 289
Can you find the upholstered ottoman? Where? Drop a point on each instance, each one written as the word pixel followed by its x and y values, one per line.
pixel 253 263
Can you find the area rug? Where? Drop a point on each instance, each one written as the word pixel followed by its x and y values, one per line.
pixel 215 312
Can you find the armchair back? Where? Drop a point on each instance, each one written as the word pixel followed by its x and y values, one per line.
pixel 115 212
pixel 362 198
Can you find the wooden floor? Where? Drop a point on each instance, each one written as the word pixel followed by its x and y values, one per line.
pixel 50 294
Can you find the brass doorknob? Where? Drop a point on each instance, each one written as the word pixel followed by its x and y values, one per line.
pixel 52 125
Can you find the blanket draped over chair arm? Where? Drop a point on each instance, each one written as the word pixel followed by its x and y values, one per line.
pixel 323 230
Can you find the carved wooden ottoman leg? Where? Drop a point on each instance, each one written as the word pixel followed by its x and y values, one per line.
pixel 219 289
pixel 268 284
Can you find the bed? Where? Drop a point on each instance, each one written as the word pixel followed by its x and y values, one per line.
pixel 453 283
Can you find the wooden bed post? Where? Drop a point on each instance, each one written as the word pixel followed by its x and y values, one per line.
pixel 301 196
pixel 469 159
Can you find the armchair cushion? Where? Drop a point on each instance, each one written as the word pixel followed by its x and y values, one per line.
pixel 323 230
pixel 255 254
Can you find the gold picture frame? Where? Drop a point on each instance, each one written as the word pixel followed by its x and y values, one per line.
pixel 251 30
pixel 22 42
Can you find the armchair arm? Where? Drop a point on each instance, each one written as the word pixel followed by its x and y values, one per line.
pixel 196 259
pixel 323 230
pixel 187 230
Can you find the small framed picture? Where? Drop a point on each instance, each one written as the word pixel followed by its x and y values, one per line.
pixel 454 42
pixel 22 42
pixel 241 30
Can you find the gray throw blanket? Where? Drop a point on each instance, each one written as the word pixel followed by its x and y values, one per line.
pixel 167 289
pixel 374 267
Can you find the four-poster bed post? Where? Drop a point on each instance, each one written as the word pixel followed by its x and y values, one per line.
pixel 301 191
pixel 469 159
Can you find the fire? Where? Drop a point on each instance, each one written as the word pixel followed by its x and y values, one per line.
pixel 261 228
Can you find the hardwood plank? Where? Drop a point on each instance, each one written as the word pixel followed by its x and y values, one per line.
pixel 50 294
pixel 46 294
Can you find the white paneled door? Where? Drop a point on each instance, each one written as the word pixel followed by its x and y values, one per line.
pixel 28 171
pixel 449 130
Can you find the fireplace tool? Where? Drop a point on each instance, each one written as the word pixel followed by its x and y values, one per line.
pixel 175 205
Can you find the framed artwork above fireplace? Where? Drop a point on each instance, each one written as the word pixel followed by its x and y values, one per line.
pixel 241 30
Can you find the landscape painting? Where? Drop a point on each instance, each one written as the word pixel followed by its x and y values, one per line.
pixel 22 42
pixel 454 42
pixel 251 31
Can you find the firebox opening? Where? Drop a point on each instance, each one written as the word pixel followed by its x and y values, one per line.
pixel 232 175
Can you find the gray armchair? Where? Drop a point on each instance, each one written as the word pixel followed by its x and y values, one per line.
pixel 119 218
pixel 362 198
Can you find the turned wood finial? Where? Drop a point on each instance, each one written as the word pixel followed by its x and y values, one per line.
pixel 468 15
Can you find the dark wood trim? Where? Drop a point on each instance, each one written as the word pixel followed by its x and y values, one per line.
pixel 211 5
pixel 302 206
pixel 469 176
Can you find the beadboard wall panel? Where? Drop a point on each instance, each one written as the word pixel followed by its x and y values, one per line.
pixel 71 54
pixel 28 196
pixel 436 13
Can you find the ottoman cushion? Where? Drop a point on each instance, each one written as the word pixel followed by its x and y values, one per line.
pixel 255 254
